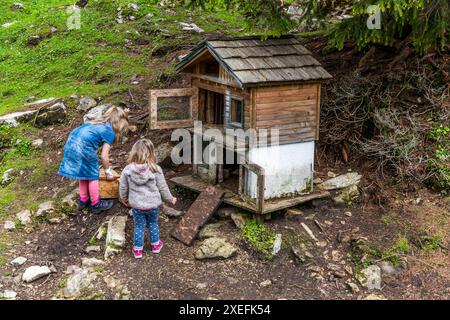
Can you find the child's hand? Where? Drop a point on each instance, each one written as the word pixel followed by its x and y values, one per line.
pixel 174 201
pixel 109 174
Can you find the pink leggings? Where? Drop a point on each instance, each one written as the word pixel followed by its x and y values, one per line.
pixel 89 188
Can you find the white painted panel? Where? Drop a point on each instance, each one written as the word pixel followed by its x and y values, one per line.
pixel 289 169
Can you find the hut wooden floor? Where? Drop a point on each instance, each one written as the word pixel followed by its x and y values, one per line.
pixel 231 198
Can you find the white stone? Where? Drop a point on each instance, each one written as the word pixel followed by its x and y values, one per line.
pixel 24 217
pixel 43 102
pixel 78 280
pixel 265 283
pixel 45 208
pixel 8 295
pixel 370 277
pixel 7 177
pixel 86 104
pixel 18 5
pixel 8 24
pixel 116 231
pixel 13 119
pixel 18 261
pixel 215 248
pixel 238 219
pixel 91 262
pixel 277 244
pixel 91 249
pixel 342 181
pixel 37 143
pixel 133 6
pixel 9 225
pixel 96 112
pixel 35 272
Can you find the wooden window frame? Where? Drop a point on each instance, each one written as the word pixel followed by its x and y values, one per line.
pixel 168 93
pixel 237 125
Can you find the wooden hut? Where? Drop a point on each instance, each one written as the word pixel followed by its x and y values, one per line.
pixel 249 83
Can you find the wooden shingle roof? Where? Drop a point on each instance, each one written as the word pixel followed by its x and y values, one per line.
pixel 252 61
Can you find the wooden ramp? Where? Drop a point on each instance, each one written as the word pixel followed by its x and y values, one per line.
pixel 197 215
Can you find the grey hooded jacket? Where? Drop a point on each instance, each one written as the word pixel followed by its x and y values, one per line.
pixel 142 187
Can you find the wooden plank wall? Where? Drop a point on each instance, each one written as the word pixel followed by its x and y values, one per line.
pixel 293 109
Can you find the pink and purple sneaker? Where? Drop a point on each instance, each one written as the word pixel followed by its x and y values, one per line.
pixel 157 248
pixel 137 253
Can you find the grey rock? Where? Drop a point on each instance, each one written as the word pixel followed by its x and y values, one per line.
pixel 9 225
pixel 116 231
pixel 71 199
pixel 353 287
pixel 265 283
pixel 210 230
pixel 24 217
pixel 34 273
pixel 388 268
pixel 8 295
pixel 212 248
pixel 44 102
pixel 7 177
pixel 37 143
pixel 370 277
pixel 93 249
pixel 45 208
pixel 277 244
pixel 225 212
pixel 55 220
pixel 191 27
pixel 79 279
pixel 18 5
pixel 133 6
pixel 347 196
pixel 171 212
pixel 86 104
pixel 56 113
pixel 239 220
pixel 96 112
pixel 342 181
pixel 293 213
pixel 17 262
pixel 15 118
pixel 91 262
pixel 111 252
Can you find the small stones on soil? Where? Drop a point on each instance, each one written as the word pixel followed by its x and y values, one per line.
pixel 209 231
pixel 215 248
pixel 45 208
pixel 8 295
pixel 348 213
pixel 265 283
pixel 277 244
pixel 301 254
pixel 353 287
pixel 24 217
pixel 239 220
pixel 388 268
pixel 309 232
pixel 35 272
pixel 86 104
pixel 37 143
pixel 293 213
pixel 9 225
pixel 18 261
pixel 370 277
pixel 92 249
pixel 78 279
pixel 91 262
pixel 7 177
pixel 115 237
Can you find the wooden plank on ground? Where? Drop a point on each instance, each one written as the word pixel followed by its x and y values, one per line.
pixel 197 215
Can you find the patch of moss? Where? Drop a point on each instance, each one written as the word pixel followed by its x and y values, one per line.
pixel 259 237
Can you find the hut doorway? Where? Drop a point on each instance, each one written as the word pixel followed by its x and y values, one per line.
pixel 211 108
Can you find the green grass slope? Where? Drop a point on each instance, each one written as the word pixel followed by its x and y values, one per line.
pixel 93 60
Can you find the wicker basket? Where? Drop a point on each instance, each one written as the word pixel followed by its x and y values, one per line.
pixel 109 189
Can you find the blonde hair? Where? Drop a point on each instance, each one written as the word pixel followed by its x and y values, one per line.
pixel 143 151
pixel 117 117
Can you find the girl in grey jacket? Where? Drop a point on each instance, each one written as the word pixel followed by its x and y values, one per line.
pixel 143 187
